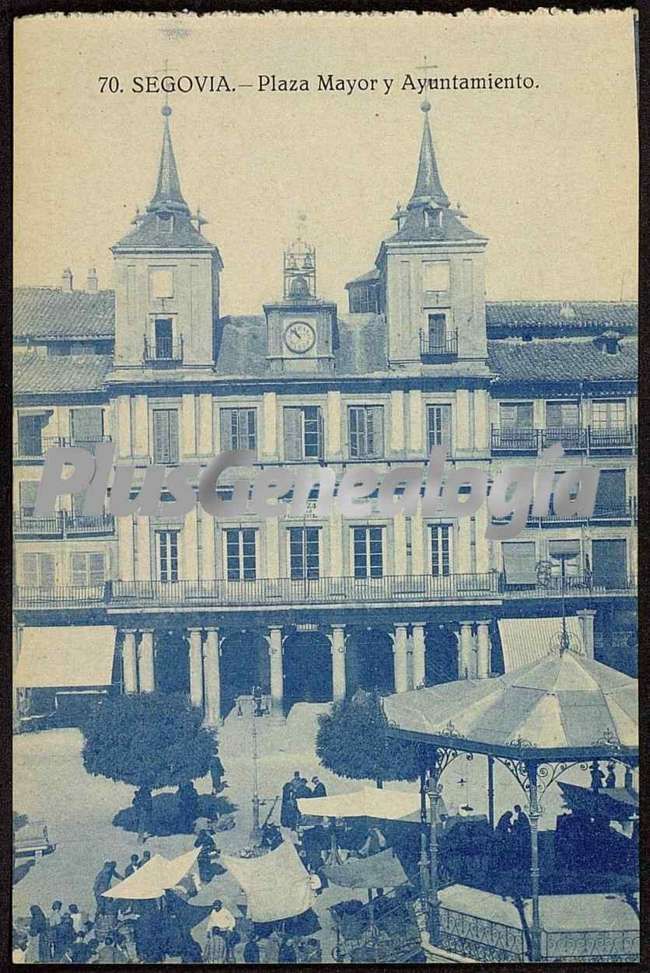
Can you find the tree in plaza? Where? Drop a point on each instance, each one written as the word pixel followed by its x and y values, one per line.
pixel 149 740
pixel 352 741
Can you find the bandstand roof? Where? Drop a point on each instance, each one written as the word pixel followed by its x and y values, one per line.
pixel 564 706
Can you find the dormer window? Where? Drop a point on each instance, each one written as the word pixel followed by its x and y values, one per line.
pixel 165 222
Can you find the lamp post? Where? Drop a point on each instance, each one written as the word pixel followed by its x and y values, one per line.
pixel 434 793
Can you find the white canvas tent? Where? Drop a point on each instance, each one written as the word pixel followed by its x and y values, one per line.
pixel 277 885
pixel 155 878
pixel 369 802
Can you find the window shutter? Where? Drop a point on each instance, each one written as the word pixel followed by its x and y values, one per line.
pixel 321 434
pixel 375 430
pixel 553 414
pixel 610 495
pixel 173 436
pixel 30 570
pixel 86 425
pixel 28 491
pixel 226 429
pixel 160 439
pixel 78 572
pixel 519 562
pixel 445 427
pixel 293 436
pixel 95 569
pixel 47 570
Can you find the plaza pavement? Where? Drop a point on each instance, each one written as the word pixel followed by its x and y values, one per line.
pixel 50 784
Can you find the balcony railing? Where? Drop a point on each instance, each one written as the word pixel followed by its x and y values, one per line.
pixel 163 349
pixel 572 439
pixel 62 524
pixel 619 511
pixel 37 448
pixel 288 593
pixel 439 347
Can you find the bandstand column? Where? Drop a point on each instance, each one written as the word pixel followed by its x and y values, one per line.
pixel 534 813
pixel 419 668
pixel 587 617
pixel 212 678
pixel 277 680
pixel 129 663
pixel 399 652
pixel 466 661
pixel 338 662
pixel 483 650
pixel 146 663
pixel 434 793
pixel 196 668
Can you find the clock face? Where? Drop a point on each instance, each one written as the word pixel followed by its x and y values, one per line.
pixel 299 337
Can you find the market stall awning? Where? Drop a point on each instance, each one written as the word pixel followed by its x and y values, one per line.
pixel 526 640
pixel 155 878
pixel 614 803
pixel 565 704
pixel 277 884
pixel 368 802
pixel 380 871
pixel 65 656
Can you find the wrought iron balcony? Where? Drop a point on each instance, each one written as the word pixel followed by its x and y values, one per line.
pixel 433 346
pixel 515 440
pixel 574 439
pixel 570 438
pixel 612 438
pixel 287 593
pixel 36 447
pixel 622 511
pixel 163 349
pixel 62 524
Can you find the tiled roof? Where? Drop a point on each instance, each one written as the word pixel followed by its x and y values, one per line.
pixel 48 312
pixel 556 360
pixel 148 233
pixel 415 229
pixel 369 276
pixel 35 373
pixel 566 315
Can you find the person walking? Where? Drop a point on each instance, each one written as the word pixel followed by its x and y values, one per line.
pixel 143 808
pixel 102 884
pixel 217 771
pixel 188 807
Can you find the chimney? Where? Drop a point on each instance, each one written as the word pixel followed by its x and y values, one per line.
pixel 66 280
pixel 91 280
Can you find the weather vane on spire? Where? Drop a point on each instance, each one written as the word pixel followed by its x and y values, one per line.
pixel 426 67
pixel 166 110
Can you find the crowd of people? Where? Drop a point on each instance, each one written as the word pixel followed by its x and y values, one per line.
pixel 292 791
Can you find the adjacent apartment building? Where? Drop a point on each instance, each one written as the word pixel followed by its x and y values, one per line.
pixel 310 609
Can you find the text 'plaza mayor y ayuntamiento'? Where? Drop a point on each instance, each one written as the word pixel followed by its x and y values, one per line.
pixel 311 608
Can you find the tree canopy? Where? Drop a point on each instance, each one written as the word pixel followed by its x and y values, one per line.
pixel 148 740
pixel 352 741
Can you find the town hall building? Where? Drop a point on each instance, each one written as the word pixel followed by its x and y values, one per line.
pixel 312 608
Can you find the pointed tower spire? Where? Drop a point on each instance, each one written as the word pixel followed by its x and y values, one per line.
pixel 428 188
pixel 168 195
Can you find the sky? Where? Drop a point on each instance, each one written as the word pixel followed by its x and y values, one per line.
pixel 549 175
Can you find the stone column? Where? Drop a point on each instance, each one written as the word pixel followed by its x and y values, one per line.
pixel 587 618
pixel 419 653
pixel 483 653
pixel 196 668
pixel 399 652
pixel 466 660
pixel 146 664
pixel 277 680
pixel 338 662
pixel 212 677
pixel 129 663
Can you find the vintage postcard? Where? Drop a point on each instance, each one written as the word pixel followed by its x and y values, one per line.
pixel 325 488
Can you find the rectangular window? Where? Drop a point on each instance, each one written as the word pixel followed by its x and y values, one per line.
pixel 161 283
pixel 366 431
pixel 238 429
pixel 611 494
pixel 560 415
pixel 437 333
pixel 87 569
pixel 167 544
pixel 608 414
pixel 241 560
pixel 30 439
pixel 567 551
pixel 165 436
pixel 435 275
pixel 439 426
pixel 303 432
pixel 516 415
pixel 27 497
pixel 304 554
pixel 440 550
pixel 368 552
pixel 519 562
pixel 363 299
pixel 609 563
pixel 164 338
pixel 38 570
pixel 86 426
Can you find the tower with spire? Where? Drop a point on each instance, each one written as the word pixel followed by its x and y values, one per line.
pixel 429 275
pixel 166 279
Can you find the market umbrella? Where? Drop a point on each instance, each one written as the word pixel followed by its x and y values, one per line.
pixel 277 885
pixel 379 871
pixel 155 877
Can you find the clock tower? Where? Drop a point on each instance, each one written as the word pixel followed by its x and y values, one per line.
pixel 301 332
